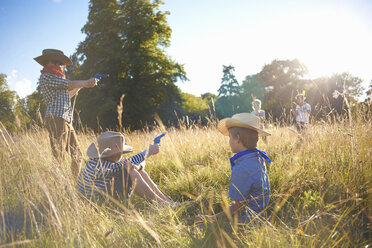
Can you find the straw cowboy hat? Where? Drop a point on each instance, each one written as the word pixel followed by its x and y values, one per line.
pixel 53 55
pixel 245 120
pixel 109 143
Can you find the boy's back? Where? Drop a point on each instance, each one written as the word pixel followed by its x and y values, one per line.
pixel 249 183
pixel 249 188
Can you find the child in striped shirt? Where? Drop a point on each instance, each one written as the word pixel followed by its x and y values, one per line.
pixel 107 172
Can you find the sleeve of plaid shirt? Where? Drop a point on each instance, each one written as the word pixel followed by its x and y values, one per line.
pixel 56 83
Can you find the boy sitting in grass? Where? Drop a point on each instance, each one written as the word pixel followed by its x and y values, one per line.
pixel 107 172
pixel 249 188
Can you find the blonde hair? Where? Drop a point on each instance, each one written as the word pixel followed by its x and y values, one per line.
pixel 248 137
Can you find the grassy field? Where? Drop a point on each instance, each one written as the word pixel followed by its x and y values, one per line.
pixel 321 197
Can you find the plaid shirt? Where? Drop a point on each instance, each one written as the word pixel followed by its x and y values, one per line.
pixel 56 97
pixel 97 174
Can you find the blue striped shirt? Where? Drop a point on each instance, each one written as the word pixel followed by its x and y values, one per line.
pixel 56 97
pixel 98 173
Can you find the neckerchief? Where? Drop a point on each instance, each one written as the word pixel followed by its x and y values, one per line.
pixel 239 154
pixel 54 69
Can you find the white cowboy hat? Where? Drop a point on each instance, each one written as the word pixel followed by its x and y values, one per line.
pixel 53 55
pixel 109 143
pixel 245 120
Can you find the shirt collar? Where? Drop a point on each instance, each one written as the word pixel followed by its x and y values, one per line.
pixel 242 153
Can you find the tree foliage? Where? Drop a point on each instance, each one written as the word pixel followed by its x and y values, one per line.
pixel 193 105
pixel 282 79
pixel 320 94
pixel 7 102
pixel 235 98
pixel 127 39
pixel 31 109
pixel 278 83
pixel 229 84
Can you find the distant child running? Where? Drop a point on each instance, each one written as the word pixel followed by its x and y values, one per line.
pixel 249 188
pixel 301 113
pixel 108 173
pixel 57 91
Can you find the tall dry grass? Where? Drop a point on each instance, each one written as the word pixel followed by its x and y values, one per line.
pixel 315 199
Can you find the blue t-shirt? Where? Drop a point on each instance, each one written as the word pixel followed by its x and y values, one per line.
pixel 249 182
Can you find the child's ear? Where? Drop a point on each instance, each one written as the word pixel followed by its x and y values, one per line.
pixel 238 138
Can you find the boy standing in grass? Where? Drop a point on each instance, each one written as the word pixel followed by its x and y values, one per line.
pixel 249 188
pixel 107 172
pixel 57 91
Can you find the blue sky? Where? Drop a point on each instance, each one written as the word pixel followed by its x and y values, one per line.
pixel 328 36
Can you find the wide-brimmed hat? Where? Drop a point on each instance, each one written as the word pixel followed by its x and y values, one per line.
pixel 53 55
pixel 109 143
pixel 245 120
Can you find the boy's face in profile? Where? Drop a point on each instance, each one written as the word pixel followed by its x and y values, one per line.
pixel 234 143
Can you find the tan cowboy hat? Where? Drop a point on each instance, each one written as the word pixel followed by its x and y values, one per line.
pixel 245 120
pixel 53 55
pixel 109 143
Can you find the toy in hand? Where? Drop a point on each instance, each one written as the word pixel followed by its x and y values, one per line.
pixel 100 76
pixel 157 139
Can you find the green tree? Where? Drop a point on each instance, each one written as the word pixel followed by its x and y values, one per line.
pixel 7 102
pixel 226 106
pixel 99 53
pixel 193 104
pixel 127 39
pixel 150 74
pixel 208 97
pixel 282 79
pixel 252 85
pixel 30 110
pixel 320 94
pixel 349 84
pixel 229 84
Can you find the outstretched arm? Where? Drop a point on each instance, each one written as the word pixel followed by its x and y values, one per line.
pixel 82 83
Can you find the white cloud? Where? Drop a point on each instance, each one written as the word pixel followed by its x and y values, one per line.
pixel 23 86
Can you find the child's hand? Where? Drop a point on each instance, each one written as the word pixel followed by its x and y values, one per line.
pixel 153 149
pixel 91 83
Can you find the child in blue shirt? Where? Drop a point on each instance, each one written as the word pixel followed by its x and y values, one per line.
pixel 249 188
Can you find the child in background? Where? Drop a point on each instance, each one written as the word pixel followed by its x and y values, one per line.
pixel 249 188
pixel 257 111
pixel 302 113
pixel 107 171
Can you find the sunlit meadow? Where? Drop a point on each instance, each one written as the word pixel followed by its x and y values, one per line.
pixel 321 197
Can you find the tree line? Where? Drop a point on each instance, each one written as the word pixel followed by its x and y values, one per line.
pixel 128 39
pixel 277 84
